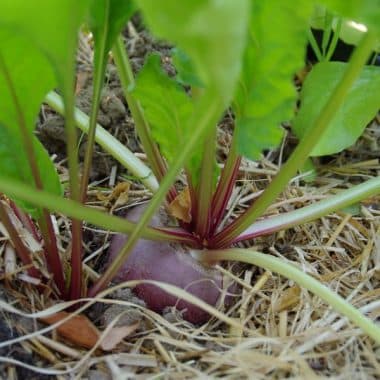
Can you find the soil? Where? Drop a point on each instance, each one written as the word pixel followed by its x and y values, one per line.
pixel 285 321
pixel 113 113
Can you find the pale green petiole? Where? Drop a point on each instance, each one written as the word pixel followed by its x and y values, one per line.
pixel 109 143
pixel 76 210
pixel 314 211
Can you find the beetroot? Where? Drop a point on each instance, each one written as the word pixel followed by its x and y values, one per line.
pixel 171 263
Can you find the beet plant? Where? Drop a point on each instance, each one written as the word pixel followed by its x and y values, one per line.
pixel 237 55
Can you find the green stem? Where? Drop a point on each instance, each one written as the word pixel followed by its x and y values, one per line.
pixel 76 210
pixel 314 44
pixel 109 143
pixel 291 272
pixel 326 33
pixel 98 79
pixel 303 149
pixel 334 41
pixel 205 117
pixel 313 211
pixel 127 82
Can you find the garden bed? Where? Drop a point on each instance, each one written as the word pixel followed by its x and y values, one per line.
pixel 272 329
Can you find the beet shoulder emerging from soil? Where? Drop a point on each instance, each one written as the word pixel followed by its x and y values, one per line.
pixel 170 263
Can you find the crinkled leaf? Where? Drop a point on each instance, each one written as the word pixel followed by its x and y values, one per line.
pixel 358 109
pixel 166 106
pixel 266 96
pixel 14 165
pixel 211 32
pixel 363 11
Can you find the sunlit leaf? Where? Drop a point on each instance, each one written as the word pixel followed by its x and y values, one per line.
pixel 363 11
pixel 358 109
pixel 51 25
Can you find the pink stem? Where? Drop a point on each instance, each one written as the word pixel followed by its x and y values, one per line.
pixel 76 260
pixel 223 192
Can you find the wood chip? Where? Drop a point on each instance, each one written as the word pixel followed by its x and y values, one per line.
pixel 180 207
pixel 78 329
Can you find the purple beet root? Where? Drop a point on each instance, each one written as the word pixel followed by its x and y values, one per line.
pixel 170 263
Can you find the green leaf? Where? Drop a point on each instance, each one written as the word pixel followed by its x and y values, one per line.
pixel 363 11
pixel 359 108
pixel 14 165
pixel 106 18
pixel 186 74
pixel 212 33
pixel 308 172
pixel 354 209
pixel 51 25
pixel 31 75
pixel 349 32
pixel 266 96
pixel 166 106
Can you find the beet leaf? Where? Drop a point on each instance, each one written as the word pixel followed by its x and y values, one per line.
pixel 266 95
pixel 358 109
